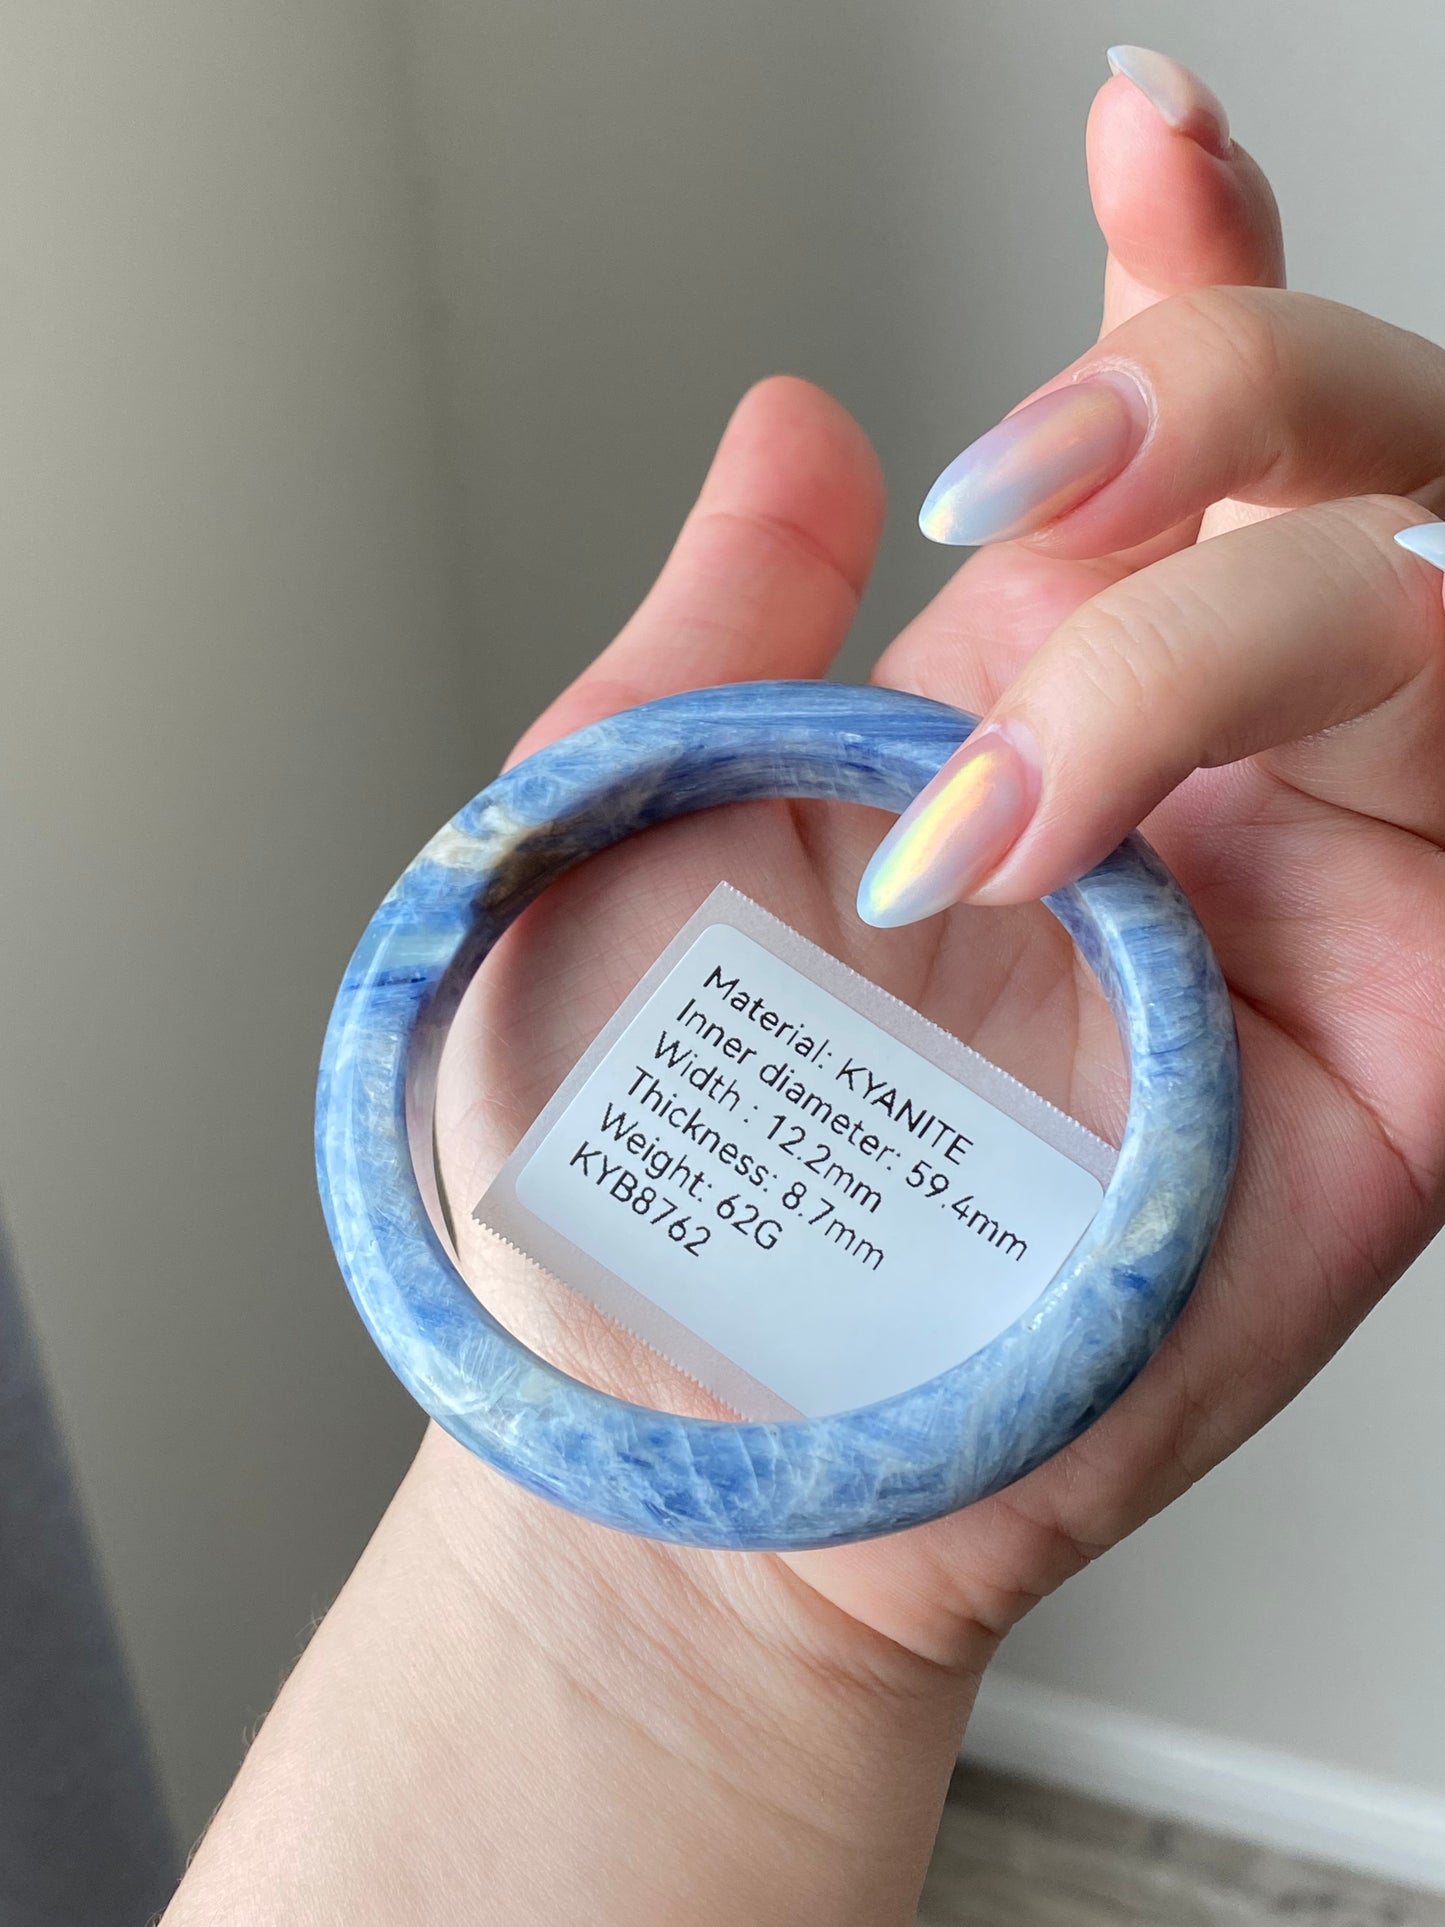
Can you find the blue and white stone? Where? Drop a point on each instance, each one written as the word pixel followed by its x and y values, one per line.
pixel 810 1482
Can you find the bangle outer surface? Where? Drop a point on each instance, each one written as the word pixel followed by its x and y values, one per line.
pixel 812 1482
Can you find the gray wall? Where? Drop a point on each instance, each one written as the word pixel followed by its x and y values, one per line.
pixel 233 705
pixel 356 364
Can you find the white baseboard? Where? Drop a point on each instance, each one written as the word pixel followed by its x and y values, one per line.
pixel 1227 1786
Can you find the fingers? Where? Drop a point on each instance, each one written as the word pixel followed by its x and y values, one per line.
pixel 1262 637
pixel 766 573
pixel 1181 205
pixel 987 620
pixel 1278 399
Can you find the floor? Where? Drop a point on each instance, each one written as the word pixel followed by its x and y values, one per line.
pixel 1014 1855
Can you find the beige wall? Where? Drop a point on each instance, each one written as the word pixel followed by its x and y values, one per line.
pixel 356 362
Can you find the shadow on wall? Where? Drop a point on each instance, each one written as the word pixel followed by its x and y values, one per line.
pixel 82 1832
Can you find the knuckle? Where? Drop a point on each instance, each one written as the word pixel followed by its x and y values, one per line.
pixel 1353 537
pixel 1240 327
pixel 1152 656
pixel 1124 647
pixel 1382 514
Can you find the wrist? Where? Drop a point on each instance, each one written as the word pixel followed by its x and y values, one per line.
pixel 749 1724
pixel 514 1715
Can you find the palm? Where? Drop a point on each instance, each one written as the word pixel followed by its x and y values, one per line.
pixel 1338 1076
pixel 1329 925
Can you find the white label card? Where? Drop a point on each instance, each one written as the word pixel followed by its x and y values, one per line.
pixel 796 1188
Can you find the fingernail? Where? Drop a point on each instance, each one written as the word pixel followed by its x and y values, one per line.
pixel 1427 540
pixel 956 830
pixel 1178 95
pixel 1038 462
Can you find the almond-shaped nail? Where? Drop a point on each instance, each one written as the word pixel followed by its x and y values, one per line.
pixel 956 830
pixel 1038 462
pixel 1425 539
pixel 1176 94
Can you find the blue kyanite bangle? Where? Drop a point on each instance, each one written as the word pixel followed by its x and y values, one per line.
pixel 809 1482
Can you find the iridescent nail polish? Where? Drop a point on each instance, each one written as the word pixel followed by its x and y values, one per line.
pixel 1038 462
pixel 1425 539
pixel 955 831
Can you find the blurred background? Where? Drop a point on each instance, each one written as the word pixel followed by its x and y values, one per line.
pixel 357 362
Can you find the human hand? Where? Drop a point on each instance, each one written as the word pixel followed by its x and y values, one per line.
pixel 1266 701
pixel 512 1714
